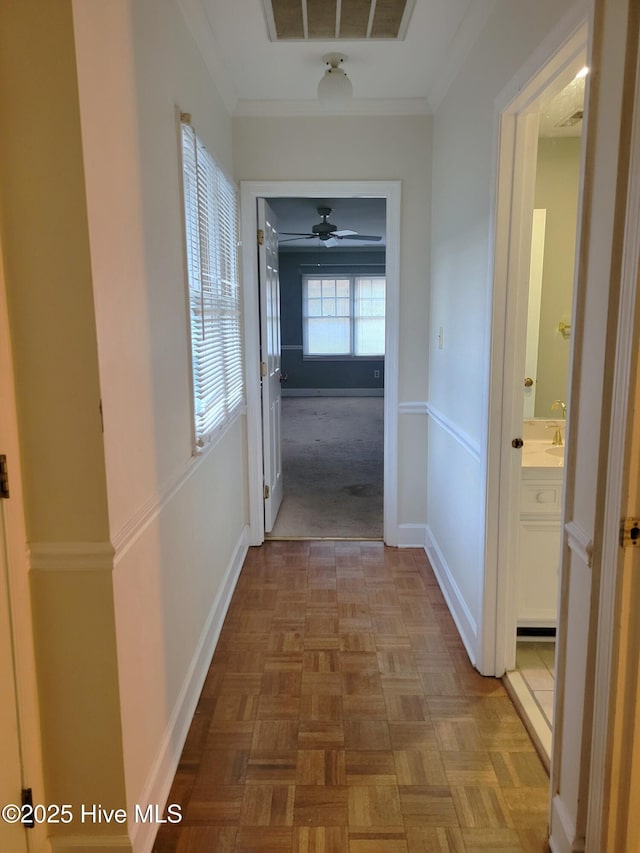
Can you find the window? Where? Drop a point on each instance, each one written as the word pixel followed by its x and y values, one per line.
pixel 343 317
pixel 211 220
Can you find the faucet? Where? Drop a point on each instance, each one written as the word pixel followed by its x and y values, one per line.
pixel 557 436
pixel 559 404
pixel 556 441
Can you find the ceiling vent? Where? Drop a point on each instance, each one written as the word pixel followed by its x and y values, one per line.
pixel 328 20
pixel 570 120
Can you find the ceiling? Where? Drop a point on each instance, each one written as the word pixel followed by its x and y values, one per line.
pixel 409 75
pixel 561 115
pixel 260 72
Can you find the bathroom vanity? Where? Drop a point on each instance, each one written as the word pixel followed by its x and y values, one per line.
pixel 540 524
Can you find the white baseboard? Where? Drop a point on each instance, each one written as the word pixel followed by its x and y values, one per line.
pixel 411 535
pixel 457 606
pixel 162 774
pixel 333 392
pixel 563 831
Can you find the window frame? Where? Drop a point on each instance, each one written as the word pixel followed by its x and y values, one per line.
pixel 213 292
pixel 352 278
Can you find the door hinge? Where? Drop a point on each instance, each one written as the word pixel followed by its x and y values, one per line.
pixel 263 368
pixel 630 532
pixel 27 819
pixel 4 477
pixel 260 237
pixel 265 492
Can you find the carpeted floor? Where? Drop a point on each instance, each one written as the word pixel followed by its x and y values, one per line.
pixel 332 450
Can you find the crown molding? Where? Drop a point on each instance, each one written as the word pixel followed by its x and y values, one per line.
pixel 355 107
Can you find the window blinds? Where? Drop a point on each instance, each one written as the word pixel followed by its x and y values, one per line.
pixel 211 219
pixel 343 316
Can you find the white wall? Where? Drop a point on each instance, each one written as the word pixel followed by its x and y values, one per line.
pixel 367 148
pixel 66 598
pixel 176 521
pixel 465 128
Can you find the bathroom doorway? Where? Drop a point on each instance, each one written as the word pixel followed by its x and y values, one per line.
pixel 546 382
pixel 539 190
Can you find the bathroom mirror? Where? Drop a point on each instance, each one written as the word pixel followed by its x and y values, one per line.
pixel 553 251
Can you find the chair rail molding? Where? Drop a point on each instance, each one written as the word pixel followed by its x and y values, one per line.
pixel 464 439
pixel 71 556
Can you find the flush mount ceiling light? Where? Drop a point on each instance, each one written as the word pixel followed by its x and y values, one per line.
pixel 334 87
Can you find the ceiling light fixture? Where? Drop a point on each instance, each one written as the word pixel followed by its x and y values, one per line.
pixel 334 87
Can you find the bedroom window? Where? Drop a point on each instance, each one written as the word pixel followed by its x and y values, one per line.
pixel 211 225
pixel 343 317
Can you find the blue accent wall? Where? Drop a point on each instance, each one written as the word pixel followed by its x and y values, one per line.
pixel 317 373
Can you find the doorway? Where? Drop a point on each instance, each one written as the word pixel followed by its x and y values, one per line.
pixel 546 382
pixel 389 193
pixel 332 331
pixel 527 427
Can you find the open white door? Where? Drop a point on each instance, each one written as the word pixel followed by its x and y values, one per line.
pixel 269 283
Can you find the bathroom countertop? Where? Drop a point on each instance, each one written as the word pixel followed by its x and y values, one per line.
pixel 542 454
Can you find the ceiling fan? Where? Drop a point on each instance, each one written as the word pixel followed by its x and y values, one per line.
pixel 327 233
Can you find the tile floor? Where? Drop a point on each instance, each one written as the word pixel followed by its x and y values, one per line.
pixel 536 663
pixel 530 685
pixel 341 714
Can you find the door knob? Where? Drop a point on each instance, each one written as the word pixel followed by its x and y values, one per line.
pixel 528 382
pixel 517 443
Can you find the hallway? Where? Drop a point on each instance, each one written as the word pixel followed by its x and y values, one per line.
pixel 341 714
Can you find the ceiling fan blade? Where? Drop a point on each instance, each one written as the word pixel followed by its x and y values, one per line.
pixel 366 237
pixel 343 233
pixel 301 237
pixel 332 241
pixel 297 234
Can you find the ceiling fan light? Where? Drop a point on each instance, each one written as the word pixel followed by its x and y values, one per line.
pixel 334 86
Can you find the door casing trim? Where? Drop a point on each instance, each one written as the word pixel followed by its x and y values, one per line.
pixel 516 145
pixel 250 191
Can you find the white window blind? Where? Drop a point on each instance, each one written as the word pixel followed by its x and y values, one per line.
pixel 343 316
pixel 211 217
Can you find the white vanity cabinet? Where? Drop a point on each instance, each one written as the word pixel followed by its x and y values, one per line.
pixel 539 546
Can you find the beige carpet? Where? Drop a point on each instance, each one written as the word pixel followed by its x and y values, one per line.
pixel 332 449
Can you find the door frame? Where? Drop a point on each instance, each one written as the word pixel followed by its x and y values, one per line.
pixel 250 191
pixel 16 585
pixel 548 71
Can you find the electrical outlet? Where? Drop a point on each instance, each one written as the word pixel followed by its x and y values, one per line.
pixel 376 374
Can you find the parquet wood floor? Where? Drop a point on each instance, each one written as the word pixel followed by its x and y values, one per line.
pixel 341 714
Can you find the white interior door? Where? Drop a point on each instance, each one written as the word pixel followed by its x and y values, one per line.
pixel 270 361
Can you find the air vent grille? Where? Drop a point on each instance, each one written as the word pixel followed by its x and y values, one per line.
pixel 329 20
pixel 570 120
